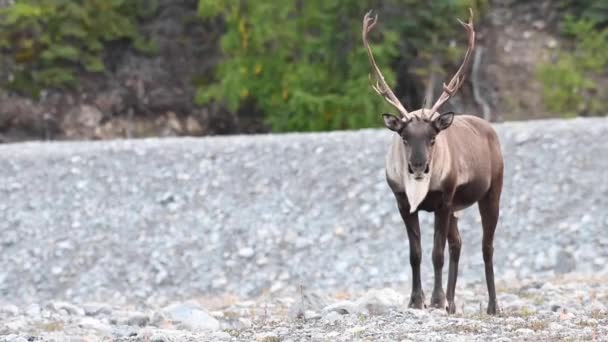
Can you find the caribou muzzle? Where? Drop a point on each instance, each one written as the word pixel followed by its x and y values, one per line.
pixel 418 169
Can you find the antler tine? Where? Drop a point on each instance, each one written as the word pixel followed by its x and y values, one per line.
pixel 458 79
pixel 380 85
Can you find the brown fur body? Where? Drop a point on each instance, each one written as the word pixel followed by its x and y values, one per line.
pixel 466 168
pixel 441 163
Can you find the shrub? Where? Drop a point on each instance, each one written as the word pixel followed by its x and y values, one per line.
pixel 303 64
pixel 569 84
pixel 48 42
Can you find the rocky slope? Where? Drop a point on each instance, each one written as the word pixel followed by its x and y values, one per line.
pixel 247 233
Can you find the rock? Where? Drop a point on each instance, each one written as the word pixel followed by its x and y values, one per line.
pixel 94 324
pixel 332 318
pixel 344 307
pixel 193 127
pixel 137 319
pixel 33 310
pixel 16 338
pixel 191 316
pixel 524 331
pixel 377 302
pixel 9 310
pixel 246 252
pixel 221 335
pixel 81 122
pixel 309 314
pixel 308 301
pixel 94 309
pixel 565 262
pixel 16 325
pixel 267 337
pixel 67 308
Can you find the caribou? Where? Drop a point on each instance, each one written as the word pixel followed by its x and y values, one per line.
pixel 441 163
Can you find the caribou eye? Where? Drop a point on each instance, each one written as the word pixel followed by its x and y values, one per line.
pixel 432 141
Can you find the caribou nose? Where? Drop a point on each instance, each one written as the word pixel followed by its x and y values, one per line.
pixel 417 167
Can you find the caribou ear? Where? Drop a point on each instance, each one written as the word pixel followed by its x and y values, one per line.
pixel 393 122
pixel 443 121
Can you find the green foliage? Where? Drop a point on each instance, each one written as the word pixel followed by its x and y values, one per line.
pixel 595 11
pixel 303 63
pixel 569 85
pixel 48 42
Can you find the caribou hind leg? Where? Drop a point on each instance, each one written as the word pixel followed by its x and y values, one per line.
pixel 413 233
pixel 454 244
pixel 489 210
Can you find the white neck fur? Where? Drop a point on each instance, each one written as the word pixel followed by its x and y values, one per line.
pixel 416 190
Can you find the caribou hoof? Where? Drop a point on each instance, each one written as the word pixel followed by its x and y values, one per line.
pixel 417 300
pixel 438 299
pixel 451 308
pixel 492 308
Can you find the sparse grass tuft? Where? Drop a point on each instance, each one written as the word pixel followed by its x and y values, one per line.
pixel 538 325
pixel 526 312
pixel 51 326
pixel 465 328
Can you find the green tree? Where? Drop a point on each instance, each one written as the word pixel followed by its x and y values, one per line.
pixel 570 83
pixel 49 42
pixel 303 64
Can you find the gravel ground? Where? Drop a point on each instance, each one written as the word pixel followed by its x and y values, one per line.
pixel 153 228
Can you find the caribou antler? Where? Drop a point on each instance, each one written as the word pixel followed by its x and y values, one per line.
pixel 456 82
pixel 380 87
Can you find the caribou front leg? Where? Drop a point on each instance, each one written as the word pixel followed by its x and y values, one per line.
pixel 442 222
pixel 413 233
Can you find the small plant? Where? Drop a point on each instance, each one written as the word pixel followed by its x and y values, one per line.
pixel 568 83
pixel 48 42
pixel 538 325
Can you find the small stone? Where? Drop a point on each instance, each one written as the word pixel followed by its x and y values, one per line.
pixel 244 323
pixel 332 317
pixel 309 314
pixel 33 310
pixel 344 307
pixel 565 262
pixel 267 337
pixel 524 331
pixel 94 324
pixel 191 316
pixel 222 335
pixel 553 326
pixel 137 319
pixel 538 24
pixel 67 307
pixel 94 309
pixel 356 330
pixel 551 43
pixel 246 252
pixel 10 310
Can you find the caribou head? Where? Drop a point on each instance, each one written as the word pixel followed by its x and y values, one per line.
pixel 418 129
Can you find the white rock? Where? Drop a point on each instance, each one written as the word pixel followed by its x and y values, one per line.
pixel 524 331
pixel 10 310
pixel 94 324
pixel 222 335
pixel 191 316
pixel 246 252
pixel 67 307
pixel 94 309
pixel 267 337
pixel 332 317
pixel 344 307
pixel 377 302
